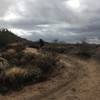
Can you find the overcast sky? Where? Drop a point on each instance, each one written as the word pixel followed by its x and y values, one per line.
pixel 66 20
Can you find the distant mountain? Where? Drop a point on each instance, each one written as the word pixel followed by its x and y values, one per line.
pixel 7 37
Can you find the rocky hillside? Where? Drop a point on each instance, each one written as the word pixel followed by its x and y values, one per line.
pixel 7 37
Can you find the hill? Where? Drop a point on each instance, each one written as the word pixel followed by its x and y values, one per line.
pixel 7 37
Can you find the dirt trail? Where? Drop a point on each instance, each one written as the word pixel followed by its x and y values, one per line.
pixel 79 80
pixel 85 86
pixel 88 88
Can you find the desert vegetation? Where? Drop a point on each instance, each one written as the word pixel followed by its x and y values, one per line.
pixel 22 69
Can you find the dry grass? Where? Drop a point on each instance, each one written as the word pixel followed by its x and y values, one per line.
pixel 16 72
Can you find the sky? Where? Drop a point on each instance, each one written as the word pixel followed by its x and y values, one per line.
pixel 65 20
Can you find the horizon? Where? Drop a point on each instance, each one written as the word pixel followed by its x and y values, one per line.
pixel 85 40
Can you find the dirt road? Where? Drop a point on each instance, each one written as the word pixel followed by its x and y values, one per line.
pixel 78 80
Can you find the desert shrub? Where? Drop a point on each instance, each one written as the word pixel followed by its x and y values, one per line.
pixel 15 78
pixel 61 48
pixel 16 72
pixel 18 76
pixel 34 74
pixel 85 50
pixel 11 77
pixel 55 49
pixel 29 69
pixel 47 62
pixel 19 58
pixel 44 61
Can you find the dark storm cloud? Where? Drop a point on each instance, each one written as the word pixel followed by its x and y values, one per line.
pixel 50 19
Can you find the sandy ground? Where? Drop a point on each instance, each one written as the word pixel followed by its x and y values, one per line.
pixel 77 80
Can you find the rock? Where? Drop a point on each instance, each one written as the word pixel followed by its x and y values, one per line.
pixel 3 64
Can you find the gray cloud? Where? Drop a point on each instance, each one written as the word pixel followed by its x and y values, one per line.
pixel 50 19
pixel 4 6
